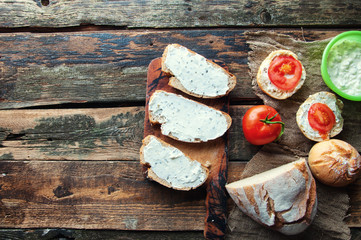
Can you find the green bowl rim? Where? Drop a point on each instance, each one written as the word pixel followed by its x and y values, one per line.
pixel 324 72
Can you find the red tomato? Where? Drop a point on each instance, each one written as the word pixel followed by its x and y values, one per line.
pixel 262 124
pixel 321 119
pixel 285 72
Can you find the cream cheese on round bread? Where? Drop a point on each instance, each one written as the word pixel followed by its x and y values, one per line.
pixel 321 97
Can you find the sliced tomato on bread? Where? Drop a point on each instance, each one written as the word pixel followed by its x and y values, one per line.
pixel 285 72
pixel 321 118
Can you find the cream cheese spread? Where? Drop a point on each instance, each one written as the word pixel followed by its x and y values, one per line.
pixel 186 120
pixel 344 66
pixel 195 73
pixel 171 165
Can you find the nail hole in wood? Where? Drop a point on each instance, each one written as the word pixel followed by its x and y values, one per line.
pixel 45 2
pixel 211 41
pixel 49 139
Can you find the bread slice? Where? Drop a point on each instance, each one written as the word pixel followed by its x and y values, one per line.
pixel 186 120
pixel 171 167
pixel 283 198
pixel 265 83
pixel 194 74
pixel 330 99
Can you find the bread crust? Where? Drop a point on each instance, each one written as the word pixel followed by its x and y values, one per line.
pixel 260 200
pixel 265 83
pixel 300 115
pixel 174 82
pixel 152 176
pixel 155 121
pixel 334 162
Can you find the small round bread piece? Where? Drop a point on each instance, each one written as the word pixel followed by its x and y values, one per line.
pixel 334 162
pixel 332 102
pixel 265 83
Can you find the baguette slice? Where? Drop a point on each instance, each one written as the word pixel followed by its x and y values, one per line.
pixel 171 167
pixel 194 74
pixel 283 198
pixel 186 120
pixel 265 83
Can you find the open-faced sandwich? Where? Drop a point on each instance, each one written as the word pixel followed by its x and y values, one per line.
pixel 281 74
pixel 319 117
pixel 194 74
pixel 169 166
pixel 186 120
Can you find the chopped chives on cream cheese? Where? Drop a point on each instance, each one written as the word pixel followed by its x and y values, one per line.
pixel 195 73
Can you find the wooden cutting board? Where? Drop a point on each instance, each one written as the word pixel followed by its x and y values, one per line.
pixel 213 153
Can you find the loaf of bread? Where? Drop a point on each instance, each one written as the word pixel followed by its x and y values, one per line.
pixel 335 106
pixel 334 162
pixel 283 198
pixel 265 83
pixel 186 120
pixel 194 74
pixel 170 167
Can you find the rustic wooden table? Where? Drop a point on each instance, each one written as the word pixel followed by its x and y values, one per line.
pixel 72 95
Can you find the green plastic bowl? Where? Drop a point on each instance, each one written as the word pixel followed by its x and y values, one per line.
pixel 350 35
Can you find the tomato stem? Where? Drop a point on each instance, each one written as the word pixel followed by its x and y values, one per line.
pixel 269 121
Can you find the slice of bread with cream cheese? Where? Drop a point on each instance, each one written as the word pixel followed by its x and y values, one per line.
pixel 170 167
pixel 186 120
pixel 194 74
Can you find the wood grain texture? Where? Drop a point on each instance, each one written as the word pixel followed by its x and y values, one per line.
pixel 90 134
pixel 112 133
pixel 110 66
pixel 71 134
pixel 178 13
pixel 94 195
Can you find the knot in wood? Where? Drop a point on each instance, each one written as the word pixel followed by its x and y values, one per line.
pixel 265 16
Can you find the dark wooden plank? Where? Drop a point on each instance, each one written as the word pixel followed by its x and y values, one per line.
pixel 71 234
pixel 94 195
pixel 110 66
pixel 167 14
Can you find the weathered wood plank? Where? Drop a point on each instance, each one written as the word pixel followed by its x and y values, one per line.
pixel 110 66
pixel 105 195
pixel 93 195
pixel 178 13
pixel 72 134
pixel 113 133
pixel 90 134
